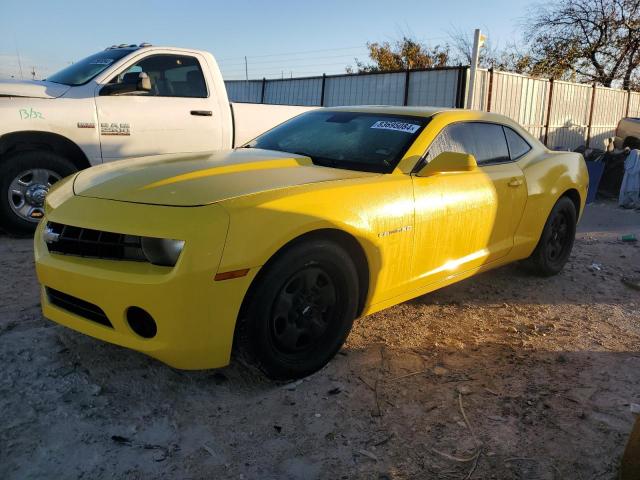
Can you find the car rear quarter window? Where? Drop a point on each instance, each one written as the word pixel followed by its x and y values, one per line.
pixel 485 141
pixel 518 146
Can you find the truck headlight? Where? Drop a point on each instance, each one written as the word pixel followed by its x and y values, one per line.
pixel 162 251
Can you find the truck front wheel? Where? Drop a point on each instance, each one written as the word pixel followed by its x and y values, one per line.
pixel 25 179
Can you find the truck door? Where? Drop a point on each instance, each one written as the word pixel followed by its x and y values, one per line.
pixel 176 116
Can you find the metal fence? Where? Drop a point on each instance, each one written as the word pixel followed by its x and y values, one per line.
pixel 561 114
pixel 441 87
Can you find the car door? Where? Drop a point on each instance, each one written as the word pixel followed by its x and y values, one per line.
pixel 466 219
pixel 175 116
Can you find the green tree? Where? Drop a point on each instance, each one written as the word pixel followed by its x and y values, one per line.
pixel 401 55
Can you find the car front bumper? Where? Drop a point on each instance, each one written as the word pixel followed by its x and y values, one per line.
pixel 195 315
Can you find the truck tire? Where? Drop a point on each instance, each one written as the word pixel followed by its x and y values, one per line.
pixel 25 179
pixel 301 310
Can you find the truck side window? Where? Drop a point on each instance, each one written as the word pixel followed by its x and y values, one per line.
pixel 170 75
pixel 485 141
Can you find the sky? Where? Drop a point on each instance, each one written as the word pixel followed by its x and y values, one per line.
pixel 278 37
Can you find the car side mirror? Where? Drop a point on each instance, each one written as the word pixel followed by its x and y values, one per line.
pixel 144 82
pixel 448 162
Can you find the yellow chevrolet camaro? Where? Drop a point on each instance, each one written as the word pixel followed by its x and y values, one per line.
pixel 281 244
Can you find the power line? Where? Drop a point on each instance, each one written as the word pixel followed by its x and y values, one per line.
pixel 302 52
pixel 288 67
pixel 241 62
pixel 293 53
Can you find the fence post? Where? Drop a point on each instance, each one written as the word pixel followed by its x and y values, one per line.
pixel 593 98
pixel 406 87
pixel 264 83
pixel 549 103
pixel 626 113
pixel 461 87
pixel 324 80
pixel 490 92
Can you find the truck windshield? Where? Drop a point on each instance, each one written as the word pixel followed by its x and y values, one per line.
pixel 84 70
pixel 369 142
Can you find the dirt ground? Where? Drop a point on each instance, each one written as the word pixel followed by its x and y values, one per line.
pixel 502 376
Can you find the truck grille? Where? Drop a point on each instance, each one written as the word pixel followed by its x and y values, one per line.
pixel 84 242
pixel 78 307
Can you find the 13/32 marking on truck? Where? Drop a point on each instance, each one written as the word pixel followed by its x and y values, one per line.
pixel 30 114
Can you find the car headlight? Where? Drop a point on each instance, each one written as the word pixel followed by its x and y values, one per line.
pixel 162 251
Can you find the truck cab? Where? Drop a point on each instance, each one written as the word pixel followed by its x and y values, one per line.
pixel 125 101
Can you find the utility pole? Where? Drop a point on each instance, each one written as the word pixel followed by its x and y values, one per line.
pixel 246 69
pixel 19 63
pixel 478 41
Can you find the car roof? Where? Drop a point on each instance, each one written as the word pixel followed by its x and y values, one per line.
pixel 392 110
pixel 426 112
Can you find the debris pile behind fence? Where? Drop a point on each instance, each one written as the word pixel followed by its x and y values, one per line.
pixel 561 114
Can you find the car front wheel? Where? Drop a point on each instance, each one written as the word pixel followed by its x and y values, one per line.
pixel 301 309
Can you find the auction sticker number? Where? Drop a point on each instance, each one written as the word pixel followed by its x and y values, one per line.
pixel 396 126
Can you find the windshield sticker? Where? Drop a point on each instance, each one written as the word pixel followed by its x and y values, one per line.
pixel 30 114
pixel 396 126
pixel 101 61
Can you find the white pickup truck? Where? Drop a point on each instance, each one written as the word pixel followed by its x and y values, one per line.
pixel 126 101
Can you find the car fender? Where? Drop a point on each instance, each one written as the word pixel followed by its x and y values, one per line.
pixel 261 225
pixel 548 177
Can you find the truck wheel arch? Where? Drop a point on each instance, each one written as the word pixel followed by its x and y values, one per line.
pixel 37 140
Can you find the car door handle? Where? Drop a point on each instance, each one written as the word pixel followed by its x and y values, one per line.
pixel 202 113
pixel 515 182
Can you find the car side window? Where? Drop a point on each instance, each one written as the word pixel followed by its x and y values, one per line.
pixel 518 146
pixel 170 75
pixel 485 141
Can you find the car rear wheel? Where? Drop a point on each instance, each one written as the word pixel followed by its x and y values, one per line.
pixel 25 178
pixel 556 241
pixel 301 310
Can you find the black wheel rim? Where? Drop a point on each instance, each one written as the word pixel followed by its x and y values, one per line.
pixel 303 309
pixel 559 239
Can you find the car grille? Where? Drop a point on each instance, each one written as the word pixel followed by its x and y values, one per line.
pixel 78 307
pixel 84 242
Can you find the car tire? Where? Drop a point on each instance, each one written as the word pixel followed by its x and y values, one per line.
pixel 25 177
pixel 556 241
pixel 300 310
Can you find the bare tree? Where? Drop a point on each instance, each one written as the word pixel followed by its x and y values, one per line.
pixel 590 40
pixel 462 45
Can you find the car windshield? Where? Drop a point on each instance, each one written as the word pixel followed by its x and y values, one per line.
pixel 369 142
pixel 81 72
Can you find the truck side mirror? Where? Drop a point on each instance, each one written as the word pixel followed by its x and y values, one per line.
pixel 144 82
pixel 130 82
pixel 449 162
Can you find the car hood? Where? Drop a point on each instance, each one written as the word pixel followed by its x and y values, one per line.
pixel 191 180
pixel 31 89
